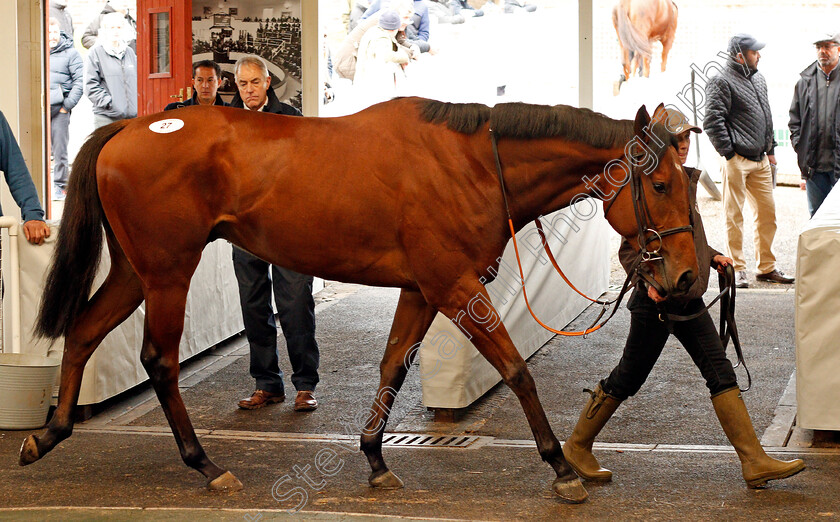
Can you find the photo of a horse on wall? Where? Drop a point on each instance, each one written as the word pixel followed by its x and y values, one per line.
pixel 639 23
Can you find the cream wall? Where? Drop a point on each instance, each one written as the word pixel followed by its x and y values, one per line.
pixel 21 92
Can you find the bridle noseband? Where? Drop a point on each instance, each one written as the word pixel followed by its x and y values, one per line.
pixel 646 233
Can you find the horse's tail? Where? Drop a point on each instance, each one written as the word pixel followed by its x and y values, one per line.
pixel 79 244
pixel 630 37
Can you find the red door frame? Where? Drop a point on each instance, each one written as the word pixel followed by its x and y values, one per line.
pixel 155 90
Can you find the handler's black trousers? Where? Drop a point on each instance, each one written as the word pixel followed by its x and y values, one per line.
pixel 296 311
pixel 647 338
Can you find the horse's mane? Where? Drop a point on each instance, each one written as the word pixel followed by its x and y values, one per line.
pixel 522 120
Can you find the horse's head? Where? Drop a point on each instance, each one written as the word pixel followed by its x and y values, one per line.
pixel 653 211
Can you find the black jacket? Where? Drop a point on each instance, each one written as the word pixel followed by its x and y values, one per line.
pixel 66 74
pixel 275 106
pixel 193 101
pixel 738 118
pixel 804 135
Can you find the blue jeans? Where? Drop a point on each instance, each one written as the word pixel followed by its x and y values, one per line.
pixel 817 188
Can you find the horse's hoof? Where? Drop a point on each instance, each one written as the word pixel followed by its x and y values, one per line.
pixel 29 450
pixel 571 491
pixel 386 480
pixel 225 482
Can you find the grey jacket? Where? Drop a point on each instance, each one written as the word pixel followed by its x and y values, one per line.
pixel 804 135
pixel 738 118
pixel 627 254
pixel 111 82
pixel 66 74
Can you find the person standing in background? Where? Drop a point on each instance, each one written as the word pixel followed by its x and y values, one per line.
pixel 58 10
pixel 91 33
pixel 813 122
pixel 111 74
pixel 66 78
pixel 739 124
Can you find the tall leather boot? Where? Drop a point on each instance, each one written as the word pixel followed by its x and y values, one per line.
pixel 756 466
pixel 578 448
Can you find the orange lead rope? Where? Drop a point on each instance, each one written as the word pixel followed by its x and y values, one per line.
pixel 604 304
pixel 528 304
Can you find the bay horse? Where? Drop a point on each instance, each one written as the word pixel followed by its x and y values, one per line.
pixel 638 23
pixel 403 194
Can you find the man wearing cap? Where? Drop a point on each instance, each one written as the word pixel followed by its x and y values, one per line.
pixel 740 126
pixel 698 336
pixel 813 122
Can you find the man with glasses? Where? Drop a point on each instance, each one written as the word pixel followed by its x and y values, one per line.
pixel 813 122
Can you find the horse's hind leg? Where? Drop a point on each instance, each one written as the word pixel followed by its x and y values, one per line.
pixel 470 305
pixel 411 321
pixel 112 303
pixel 164 325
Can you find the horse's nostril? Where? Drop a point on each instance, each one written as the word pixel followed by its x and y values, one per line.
pixel 685 281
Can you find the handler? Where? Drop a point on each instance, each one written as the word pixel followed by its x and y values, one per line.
pixel 699 338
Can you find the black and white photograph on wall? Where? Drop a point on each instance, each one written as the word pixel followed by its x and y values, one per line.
pixel 226 30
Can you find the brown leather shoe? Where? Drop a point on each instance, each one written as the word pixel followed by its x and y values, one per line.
pixel 261 398
pixel 305 401
pixel 775 277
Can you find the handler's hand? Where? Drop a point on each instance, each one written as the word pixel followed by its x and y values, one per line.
pixel 721 262
pixel 653 294
pixel 35 231
pixel 802 185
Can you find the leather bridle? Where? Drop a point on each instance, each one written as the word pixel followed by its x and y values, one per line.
pixel 646 235
pixel 645 255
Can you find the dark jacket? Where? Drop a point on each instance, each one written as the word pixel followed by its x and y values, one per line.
pixel 17 175
pixel 275 106
pixel 193 101
pixel 66 74
pixel 738 118
pixel 92 31
pixel 65 21
pixel 627 254
pixel 111 82
pixel 804 135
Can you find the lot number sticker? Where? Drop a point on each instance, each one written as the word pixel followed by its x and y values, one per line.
pixel 166 126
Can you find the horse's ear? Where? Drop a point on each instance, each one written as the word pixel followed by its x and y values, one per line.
pixel 660 115
pixel 642 121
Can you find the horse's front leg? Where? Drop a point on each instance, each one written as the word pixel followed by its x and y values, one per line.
pixel 472 310
pixel 411 321
pixel 159 355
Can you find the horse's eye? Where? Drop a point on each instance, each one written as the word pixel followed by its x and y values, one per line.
pixel 659 187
